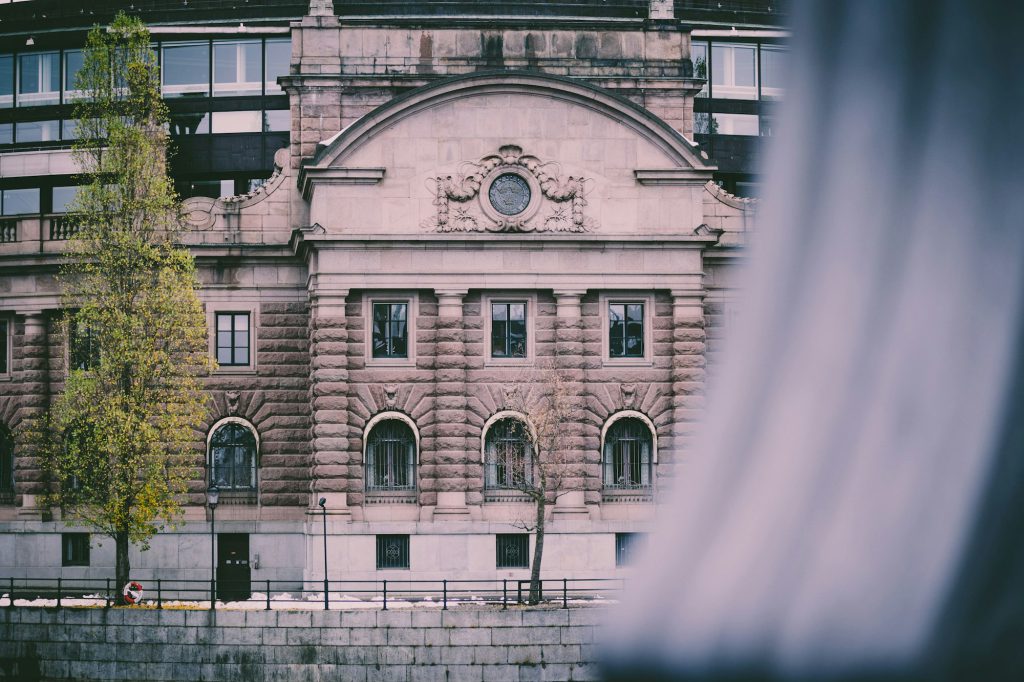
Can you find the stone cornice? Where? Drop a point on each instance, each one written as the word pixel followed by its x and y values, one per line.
pixel 337 176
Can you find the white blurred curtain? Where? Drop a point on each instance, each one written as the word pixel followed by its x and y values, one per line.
pixel 853 508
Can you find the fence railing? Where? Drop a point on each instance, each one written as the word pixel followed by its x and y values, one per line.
pixel 291 595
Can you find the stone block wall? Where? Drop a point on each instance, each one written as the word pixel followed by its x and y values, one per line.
pixel 471 645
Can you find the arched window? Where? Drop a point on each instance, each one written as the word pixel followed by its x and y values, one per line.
pixel 233 456
pixel 391 456
pixel 508 454
pixel 6 465
pixel 628 447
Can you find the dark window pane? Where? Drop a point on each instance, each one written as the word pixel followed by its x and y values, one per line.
pixel 233 458
pixel 627 454
pixel 6 81
pixel 75 549
pixel 6 465
pixel 4 351
pixel 391 457
pixel 390 331
pixel 509 453
pixel 233 338
pixel 626 546
pixel 6 133
pixel 73 60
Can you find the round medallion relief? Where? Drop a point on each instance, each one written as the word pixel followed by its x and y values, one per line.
pixel 509 194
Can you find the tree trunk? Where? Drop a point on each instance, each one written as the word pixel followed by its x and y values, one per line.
pixel 122 567
pixel 538 551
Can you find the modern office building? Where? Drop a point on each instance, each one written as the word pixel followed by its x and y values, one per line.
pixel 403 213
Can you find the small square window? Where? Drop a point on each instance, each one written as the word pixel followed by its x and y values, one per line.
pixel 390 330
pixel 508 329
pixel 626 547
pixel 392 551
pixel 5 347
pixel 75 549
pixel 513 550
pixel 233 339
pixel 626 330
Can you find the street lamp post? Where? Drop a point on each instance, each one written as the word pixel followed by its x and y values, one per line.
pixel 323 508
pixel 212 497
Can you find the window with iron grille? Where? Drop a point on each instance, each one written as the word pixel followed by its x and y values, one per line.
pixel 233 339
pixel 509 454
pixel 83 347
pixel 508 330
pixel 627 454
pixel 75 549
pixel 626 330
pixel 626 547
pixel 6 465
pixel 390 330
pixel 233 458
pixel 392 551
pixel 513 550
pixel 391 457
pixel 5 347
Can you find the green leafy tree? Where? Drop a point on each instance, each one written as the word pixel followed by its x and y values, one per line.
pixel 119 438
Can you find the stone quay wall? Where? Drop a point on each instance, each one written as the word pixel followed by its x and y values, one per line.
pixel 471 645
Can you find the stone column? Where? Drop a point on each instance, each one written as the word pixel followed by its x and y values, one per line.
pixel 30 474
pixel 458 477
pixel 688 373
pixel 331 466
pixel 569 364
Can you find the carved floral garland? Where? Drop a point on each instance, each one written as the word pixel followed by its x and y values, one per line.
pixel 569 193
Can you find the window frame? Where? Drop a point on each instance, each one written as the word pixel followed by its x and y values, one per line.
pixel 40 98
pixel 728 89
pixel 253 488
pixel 530 301
pixel 652 462
pixel 229 307
pixel 627 298
pixel 186 90
pixel 240 67
pixel 92 353
pixel 69 543
pixel 414 457
pixel 519 538
pixel 405 552
pixel 490 482
pixel 411 302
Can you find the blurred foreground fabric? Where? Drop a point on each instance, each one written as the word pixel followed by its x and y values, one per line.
pixel 855 509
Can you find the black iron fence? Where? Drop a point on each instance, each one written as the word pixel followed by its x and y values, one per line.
pixel 291 595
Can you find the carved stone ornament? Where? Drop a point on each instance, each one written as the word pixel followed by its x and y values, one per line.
pixel 505 192
pixel 628 395
pixel 231 397
pixel 390 395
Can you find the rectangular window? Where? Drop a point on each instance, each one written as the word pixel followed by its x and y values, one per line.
pixel 63 198
pixel 733 71
pixel 508 330
pixel 6 133
pixel 626 330
pixel 390 330
pixel 5 347
pixel 236 122
pixel 6 81
pixel 277 120
pixel 626 547
pixel 233 339
pixel 189 123
pixel 392 551
pixel 699 56
pixel 186 69
pixel 37 131
pixel 73 61
pixel 513 550
pixel 39 78
pixel 19 201
pixel 75 549
pixel 278 57
pixel 735 124
pixel 83 347
pixel 237 68
pixel 773 61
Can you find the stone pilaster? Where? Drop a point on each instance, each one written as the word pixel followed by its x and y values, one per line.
pixel 458 477
pixel 569 365
pixel 332 468
pixel 36 380
pixel 688 373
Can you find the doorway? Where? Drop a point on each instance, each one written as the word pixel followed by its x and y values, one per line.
pixel 234 574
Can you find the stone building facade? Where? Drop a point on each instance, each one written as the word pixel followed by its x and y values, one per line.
pixel 461 209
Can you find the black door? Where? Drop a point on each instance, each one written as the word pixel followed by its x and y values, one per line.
pixel 233 572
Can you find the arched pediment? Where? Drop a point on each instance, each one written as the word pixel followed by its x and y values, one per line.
pixel 565 155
